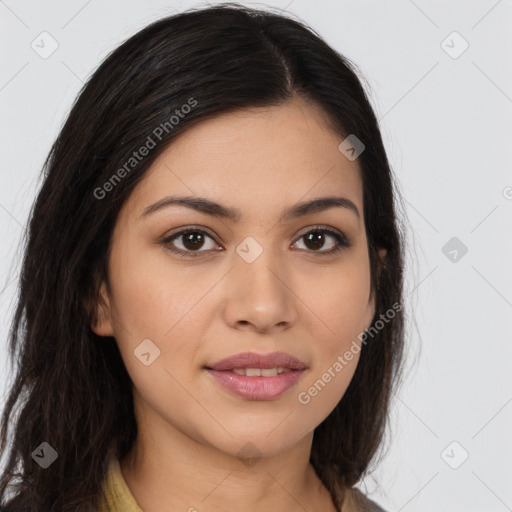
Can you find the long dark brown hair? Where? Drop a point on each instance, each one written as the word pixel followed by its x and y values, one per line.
pixel 70 387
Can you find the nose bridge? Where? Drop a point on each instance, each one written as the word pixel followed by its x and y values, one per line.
pixel 259 265
pixel 257 290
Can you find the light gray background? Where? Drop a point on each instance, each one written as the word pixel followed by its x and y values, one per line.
pixel 447 126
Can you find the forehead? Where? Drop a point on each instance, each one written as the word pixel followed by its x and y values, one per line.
pixel 257 160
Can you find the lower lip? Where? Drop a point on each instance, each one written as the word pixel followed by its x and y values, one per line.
pixel 257 388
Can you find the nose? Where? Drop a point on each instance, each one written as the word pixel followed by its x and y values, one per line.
pixel 259 295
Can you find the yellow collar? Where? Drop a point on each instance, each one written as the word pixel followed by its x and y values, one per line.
pixel 116 494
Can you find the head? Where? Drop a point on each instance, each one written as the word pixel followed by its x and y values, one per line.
pixel 246 109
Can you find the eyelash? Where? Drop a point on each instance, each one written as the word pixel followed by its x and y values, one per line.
pixel 342 241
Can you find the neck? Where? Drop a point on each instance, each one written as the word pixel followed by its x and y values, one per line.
pixel 168 467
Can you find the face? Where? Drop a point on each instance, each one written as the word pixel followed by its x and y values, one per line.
pixel 191 288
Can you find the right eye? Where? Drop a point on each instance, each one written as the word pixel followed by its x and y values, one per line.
pixel 191 240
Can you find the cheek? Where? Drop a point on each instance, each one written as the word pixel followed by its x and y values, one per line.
pixel 151 302
pixel 340 298
pixel 341 301
pixel 149 299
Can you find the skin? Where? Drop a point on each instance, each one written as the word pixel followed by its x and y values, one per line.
pixel 199 310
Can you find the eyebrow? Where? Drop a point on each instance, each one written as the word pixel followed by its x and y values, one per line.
pixel 209 207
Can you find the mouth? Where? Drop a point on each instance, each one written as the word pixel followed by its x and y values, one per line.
pixel 257 376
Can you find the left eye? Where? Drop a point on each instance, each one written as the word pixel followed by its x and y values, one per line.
pixel 192 240
pixel 317 237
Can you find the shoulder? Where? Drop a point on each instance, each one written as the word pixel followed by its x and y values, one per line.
pixel 356 501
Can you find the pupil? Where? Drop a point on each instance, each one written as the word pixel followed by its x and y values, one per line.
pixel 318 235
pixel 195 240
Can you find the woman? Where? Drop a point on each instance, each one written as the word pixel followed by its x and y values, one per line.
pixel 210 311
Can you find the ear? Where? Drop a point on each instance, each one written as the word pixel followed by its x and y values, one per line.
pixel 382 255
pixel 381 261
pixel 102 320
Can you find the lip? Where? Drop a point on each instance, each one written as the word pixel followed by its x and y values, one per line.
pixel 254 360
pixel 257 388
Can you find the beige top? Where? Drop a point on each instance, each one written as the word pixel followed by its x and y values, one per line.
pixel 117 496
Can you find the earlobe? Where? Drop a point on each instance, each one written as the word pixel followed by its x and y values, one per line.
pixel 103 317
pixel 382 253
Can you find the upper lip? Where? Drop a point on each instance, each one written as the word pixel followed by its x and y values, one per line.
pixel 254 360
